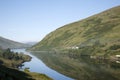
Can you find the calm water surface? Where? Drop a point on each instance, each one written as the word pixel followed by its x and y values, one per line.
pixel 76 67
pixel 36 65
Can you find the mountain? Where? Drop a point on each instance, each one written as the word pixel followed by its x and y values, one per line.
pixel 31 43
pixel 6 43
pixel 101 30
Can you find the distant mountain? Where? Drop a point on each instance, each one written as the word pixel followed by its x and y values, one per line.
pixel 31 43
pixel 6 43
pixel 102 30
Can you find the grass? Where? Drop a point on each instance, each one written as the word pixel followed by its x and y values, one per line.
pixel 104 27
pixel 7 73
pixel 38 76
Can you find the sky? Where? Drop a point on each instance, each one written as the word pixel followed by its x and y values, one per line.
pixel 32 20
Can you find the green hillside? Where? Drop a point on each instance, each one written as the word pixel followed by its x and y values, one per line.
pixel 6 43
pixel 101 31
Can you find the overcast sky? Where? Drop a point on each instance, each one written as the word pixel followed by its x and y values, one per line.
pixel 32 20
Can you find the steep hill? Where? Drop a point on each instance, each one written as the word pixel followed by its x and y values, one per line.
pixel 6 43
pixel 101 30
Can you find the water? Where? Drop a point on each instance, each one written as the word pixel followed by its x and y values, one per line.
pixel 81 67
pixel 36 65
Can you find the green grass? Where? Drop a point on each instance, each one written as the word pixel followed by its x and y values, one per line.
pixel 38 76
pixel 104 27
pixel 7 73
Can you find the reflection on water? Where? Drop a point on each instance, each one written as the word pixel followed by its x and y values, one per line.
pixel 82 68
pixel 36 65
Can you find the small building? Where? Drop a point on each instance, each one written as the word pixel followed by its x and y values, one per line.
pixel 117 61
pixel 118 56
pixel 75 47
pixel 93 57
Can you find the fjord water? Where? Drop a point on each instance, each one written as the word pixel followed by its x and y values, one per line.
pixel 76 67
pixel 36 65
pixel 81 67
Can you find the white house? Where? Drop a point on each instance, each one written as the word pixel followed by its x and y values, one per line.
pixel 118 56
pixel 75 47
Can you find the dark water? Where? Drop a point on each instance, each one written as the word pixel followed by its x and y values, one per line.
pixel 37 65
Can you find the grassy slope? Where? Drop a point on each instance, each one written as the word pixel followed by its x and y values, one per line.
pixel 103 28
pixel 7 73
pixel 6 43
